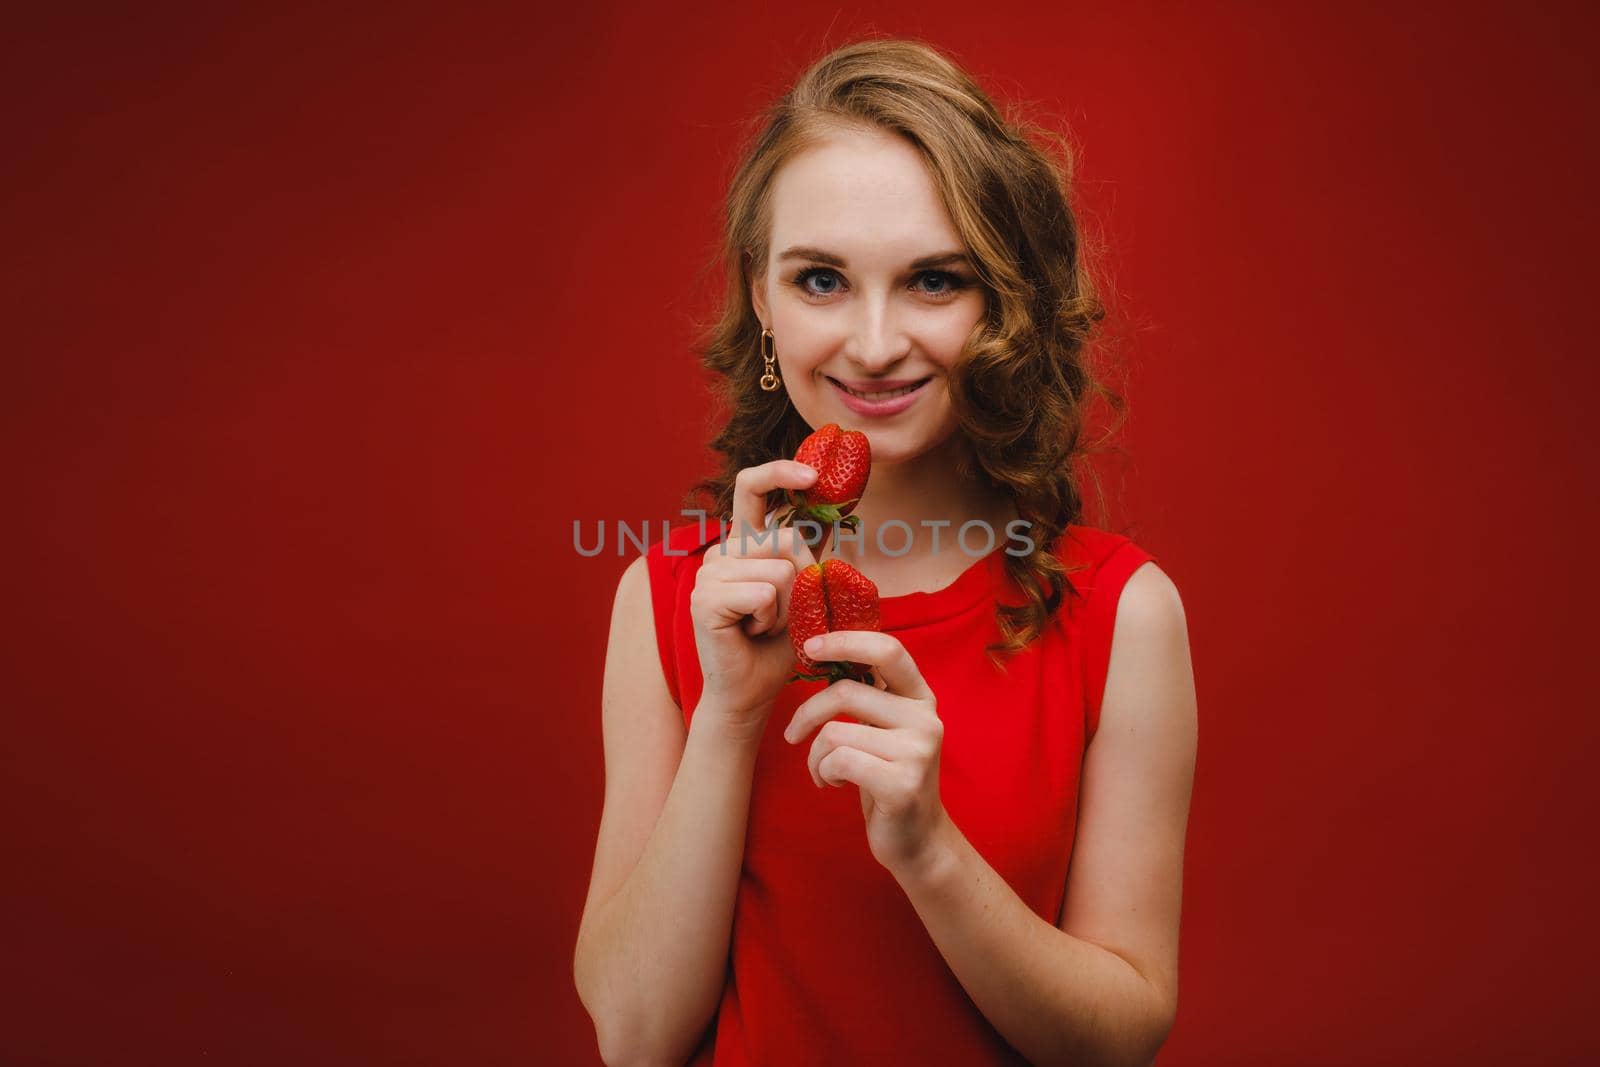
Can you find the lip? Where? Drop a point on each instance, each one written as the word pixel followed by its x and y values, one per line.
pixel 874 385
pixel 892 406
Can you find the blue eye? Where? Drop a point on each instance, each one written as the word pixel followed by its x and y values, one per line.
pixel 814 272
pixel 949 284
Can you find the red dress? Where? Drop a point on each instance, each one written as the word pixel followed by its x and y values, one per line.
pixel 829 962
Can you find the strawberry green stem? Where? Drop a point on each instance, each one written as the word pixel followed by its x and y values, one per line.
pixel 831 671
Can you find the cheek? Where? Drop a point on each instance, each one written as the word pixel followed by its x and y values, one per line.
pixel 945 340
pixel 802 350
pixel 938 412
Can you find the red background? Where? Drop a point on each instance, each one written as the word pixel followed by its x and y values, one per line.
pixel 321 329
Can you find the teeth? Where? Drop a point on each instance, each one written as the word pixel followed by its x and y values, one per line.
pixel 881 396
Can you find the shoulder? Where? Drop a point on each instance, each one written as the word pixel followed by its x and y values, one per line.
pixel 635 578
pixel 1150 606
pixel 1149 670
pixel 1097 559
pixel 1126 583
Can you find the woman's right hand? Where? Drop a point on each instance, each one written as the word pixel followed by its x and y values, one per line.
pixel 740 603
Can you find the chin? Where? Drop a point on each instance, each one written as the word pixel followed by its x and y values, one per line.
pixel 901 443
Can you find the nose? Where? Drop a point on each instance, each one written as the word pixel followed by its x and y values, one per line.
pixel 876 342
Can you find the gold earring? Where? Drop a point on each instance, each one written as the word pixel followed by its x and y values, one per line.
pixel 769 380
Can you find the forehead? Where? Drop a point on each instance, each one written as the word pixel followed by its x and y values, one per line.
pixel 864 194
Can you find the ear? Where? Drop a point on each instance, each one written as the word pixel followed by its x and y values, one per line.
pixel 758 287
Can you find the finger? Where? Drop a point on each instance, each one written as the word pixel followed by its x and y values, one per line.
pixel 751 487
pixel 874 774
pixel 765 541
pixel 732 601
pixel 794 551
pixel 783 544
pixel 814 535
pixel 794 547
pixel 891 745
pixel 876 707
pixel 778 573
pixel 769 542
pixel 879 650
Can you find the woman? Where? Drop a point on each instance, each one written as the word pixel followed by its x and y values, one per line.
pixel 1007 889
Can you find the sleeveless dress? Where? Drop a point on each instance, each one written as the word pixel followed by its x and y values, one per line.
pixel 829 962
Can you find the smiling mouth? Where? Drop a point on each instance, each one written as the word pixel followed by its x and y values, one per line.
pixel 889 394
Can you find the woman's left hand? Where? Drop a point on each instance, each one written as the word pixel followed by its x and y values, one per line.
pixel 892 753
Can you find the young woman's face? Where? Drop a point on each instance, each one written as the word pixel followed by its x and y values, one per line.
pixel 860 291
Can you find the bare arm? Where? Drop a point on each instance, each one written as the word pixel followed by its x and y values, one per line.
pixel 652 950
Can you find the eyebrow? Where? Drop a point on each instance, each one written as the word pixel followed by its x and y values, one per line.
pixel 938 259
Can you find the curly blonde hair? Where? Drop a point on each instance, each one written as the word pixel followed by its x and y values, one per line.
pixel 1022 384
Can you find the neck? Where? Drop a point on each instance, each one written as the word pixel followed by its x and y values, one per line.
pixel 927 490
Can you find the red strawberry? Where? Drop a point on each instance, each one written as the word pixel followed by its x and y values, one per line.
pixel 830 596
pixel 843 460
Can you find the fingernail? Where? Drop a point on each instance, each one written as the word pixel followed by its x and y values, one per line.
pixel 813 645
pixel 806 473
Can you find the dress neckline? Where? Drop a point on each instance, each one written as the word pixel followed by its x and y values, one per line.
pixel 980 581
